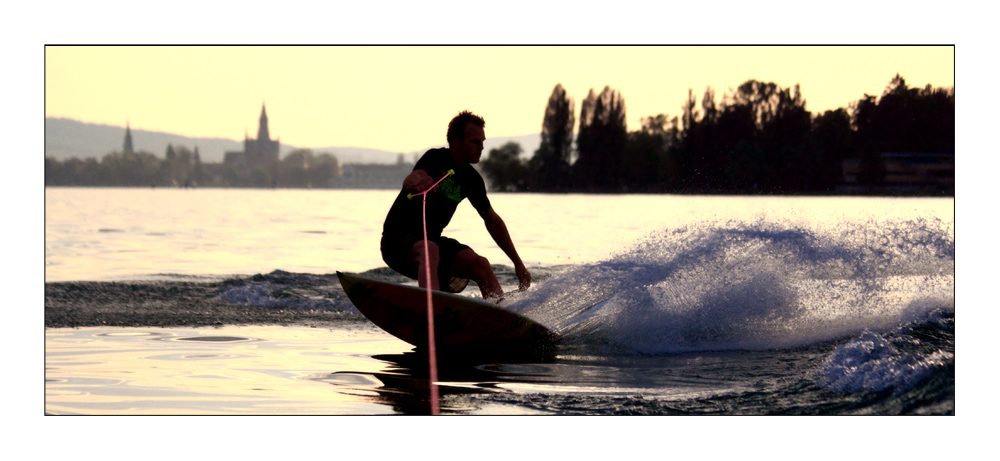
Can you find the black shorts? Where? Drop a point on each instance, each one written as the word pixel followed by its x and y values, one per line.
pixel 396 253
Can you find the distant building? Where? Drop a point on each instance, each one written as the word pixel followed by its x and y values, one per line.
pixel 904 172
pixel 257 153
pixel 372 176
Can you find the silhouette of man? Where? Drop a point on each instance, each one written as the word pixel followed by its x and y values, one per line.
pixel 450 261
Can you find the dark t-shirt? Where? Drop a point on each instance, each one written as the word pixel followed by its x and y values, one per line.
pixel 406 215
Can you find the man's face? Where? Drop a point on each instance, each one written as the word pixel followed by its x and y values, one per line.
pixel 470 149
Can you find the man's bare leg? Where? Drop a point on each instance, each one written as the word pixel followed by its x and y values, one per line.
pixel 468 264
pixel 417 252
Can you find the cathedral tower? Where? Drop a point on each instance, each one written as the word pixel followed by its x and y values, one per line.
pixel 262 132
pixel 127 148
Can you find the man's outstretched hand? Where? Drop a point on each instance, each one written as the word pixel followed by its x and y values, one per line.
pixel 523 277
pixel 418 181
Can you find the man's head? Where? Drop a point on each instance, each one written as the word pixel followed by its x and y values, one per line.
pixel 466 133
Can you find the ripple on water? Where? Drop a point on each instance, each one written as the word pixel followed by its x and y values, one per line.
pixel 214 339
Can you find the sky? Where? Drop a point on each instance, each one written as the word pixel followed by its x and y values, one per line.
pixel 400 98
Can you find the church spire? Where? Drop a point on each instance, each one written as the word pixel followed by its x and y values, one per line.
pixel 262 133
pixel 127 148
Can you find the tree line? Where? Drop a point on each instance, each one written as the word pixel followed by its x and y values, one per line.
pixel 759 138
pixel 182 167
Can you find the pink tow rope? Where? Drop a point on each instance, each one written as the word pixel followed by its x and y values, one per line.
pixel 431 350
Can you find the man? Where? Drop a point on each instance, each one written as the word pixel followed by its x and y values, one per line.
pixel 450 261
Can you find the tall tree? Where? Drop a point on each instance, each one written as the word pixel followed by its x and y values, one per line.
pixel 691 153
pixel 708 150
pixel 504 168
pixel 872 169
pixel 293 168
pixel 914 120
pixel 761 97
pixel 551 161
pixel 774 151
pixel 832 130
pixel 324 168
pixel 645 155
pixel 601 141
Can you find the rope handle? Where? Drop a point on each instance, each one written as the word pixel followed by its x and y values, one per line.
pixel 449 173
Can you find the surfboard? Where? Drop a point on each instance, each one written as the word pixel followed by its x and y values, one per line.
pixel 463 327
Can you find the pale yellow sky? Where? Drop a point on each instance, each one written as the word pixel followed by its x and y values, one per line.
pixel 401 98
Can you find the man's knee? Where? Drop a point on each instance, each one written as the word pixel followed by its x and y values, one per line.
pixel 417 252
pixel 483 265
pixel 478 267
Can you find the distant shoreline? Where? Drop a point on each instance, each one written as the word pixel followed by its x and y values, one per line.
pixel 67 138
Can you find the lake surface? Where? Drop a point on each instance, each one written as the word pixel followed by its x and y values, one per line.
pixel 667 305
pixel 120 233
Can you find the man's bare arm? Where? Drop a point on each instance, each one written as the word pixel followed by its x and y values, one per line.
pixel 498 230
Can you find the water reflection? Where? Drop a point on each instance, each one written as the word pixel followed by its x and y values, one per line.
pixel 216 339
pixel 404 386
pixel 363 371
pixel 231 370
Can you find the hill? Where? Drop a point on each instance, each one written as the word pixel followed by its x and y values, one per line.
pixel 67 138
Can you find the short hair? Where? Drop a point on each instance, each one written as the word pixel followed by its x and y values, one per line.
pixel 456 128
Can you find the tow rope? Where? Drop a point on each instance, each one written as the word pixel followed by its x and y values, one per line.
pixel 431 349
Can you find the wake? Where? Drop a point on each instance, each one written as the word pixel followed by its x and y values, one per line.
pixel 750 285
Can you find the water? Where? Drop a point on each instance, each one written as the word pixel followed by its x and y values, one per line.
pixel 667 305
